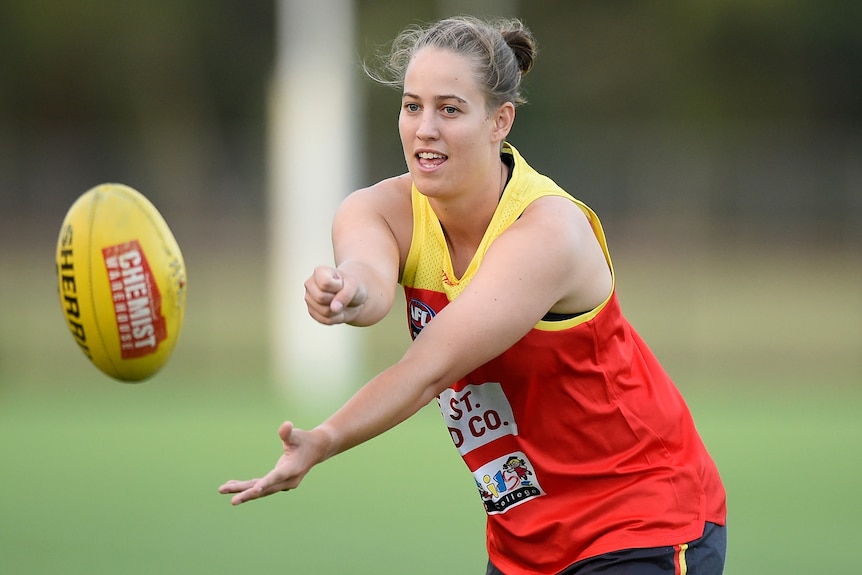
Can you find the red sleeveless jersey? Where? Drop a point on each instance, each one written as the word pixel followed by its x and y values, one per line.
pixel 579 442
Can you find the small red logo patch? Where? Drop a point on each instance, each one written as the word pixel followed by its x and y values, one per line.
pixel 137 301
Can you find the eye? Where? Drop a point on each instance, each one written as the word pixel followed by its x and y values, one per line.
pixel 411 107
pixel 450 110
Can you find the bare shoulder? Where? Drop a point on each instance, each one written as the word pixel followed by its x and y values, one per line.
pixel 566 234
pixel 558 215
pixel 558 227
pixel 389 197
pixel 387 200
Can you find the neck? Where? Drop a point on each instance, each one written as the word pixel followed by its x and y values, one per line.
pixel 465 218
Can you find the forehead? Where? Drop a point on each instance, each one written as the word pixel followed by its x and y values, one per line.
pixel 435 71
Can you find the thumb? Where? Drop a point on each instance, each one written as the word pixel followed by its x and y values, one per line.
pixel 284 432
pixel 334 282
pixel 353 294
pixel 343 293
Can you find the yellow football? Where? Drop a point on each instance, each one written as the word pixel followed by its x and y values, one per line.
pixel 122 282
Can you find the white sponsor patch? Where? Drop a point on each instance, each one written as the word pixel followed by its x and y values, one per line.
pixel 477 415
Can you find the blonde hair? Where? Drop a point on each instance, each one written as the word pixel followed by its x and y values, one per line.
pixel 502 51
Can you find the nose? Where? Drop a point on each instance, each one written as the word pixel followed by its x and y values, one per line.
pixel 427 128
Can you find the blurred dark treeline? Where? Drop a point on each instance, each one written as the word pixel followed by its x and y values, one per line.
pixel 722 120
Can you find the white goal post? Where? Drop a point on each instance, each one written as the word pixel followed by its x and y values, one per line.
pixel 312 166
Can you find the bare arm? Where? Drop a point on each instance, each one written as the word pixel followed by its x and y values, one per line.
pixel 369 243
pixel 540 261
pixel 549 259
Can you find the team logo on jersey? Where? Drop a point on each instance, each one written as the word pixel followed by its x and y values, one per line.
pixel 507 482
pixel 420 314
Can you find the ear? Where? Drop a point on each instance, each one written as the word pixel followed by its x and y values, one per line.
pixel 503 118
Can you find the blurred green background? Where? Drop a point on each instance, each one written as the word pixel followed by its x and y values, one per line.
pixel 720 142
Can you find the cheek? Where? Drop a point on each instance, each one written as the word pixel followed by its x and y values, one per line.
pixel 404 129
pixel 471 142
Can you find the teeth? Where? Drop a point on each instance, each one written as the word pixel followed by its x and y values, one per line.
pixel 431 156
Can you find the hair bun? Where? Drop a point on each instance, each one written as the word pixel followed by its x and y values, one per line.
pixel 522 43
pixel 519 38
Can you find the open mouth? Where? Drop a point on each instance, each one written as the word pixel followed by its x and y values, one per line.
pixel 430 159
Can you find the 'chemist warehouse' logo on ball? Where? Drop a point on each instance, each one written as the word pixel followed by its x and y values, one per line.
pixel 507 482
pixel 136 300
pixel 420 314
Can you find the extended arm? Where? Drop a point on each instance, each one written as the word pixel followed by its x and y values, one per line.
pixel 542 260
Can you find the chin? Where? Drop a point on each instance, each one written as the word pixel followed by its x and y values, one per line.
pixel 425 185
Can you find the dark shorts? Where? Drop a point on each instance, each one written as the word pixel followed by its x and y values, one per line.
pixel 704 556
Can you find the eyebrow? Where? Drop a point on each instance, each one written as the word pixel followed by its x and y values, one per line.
pixel 439 98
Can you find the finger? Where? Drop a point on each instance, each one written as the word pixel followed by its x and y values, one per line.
pixel 342 299
pixel 284 432
pixel 270 484
pixel 315 294
pixel 247 495
pixel 321 290
pixel 328 279
pixel 351 295
pixel 335 285
pixel 328 308
pixel 235 486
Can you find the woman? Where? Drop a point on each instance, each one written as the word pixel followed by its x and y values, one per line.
pixel 584 453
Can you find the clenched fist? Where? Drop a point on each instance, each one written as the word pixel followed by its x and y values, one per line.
pixel 333 297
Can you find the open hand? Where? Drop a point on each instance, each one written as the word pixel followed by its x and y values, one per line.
pixel 302 450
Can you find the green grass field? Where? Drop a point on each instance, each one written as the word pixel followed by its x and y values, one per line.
pixel 102 478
